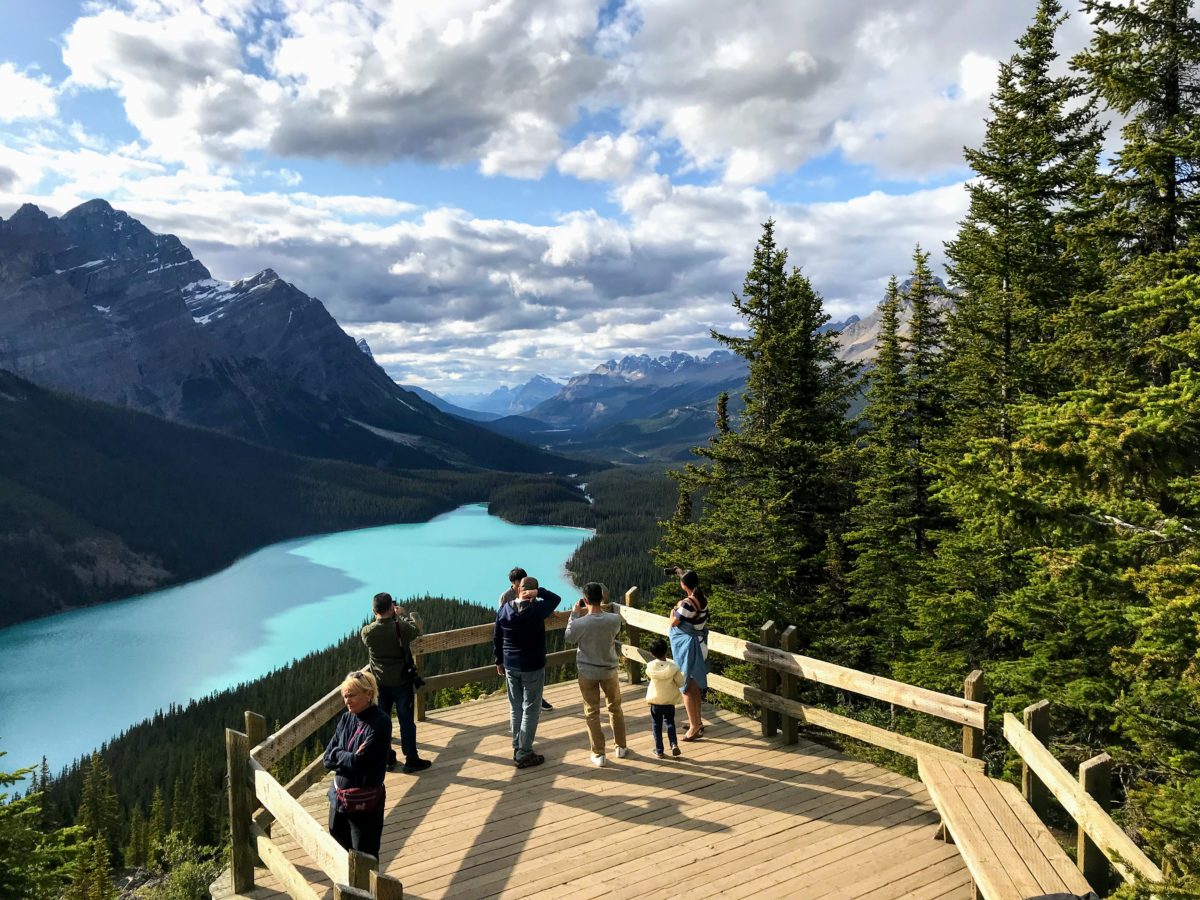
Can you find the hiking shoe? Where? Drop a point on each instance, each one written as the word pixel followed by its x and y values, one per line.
pixel 598 760
pixel 675 751
pixel 622 752
pixel 658 754
pixel 533 759
pixel 415 765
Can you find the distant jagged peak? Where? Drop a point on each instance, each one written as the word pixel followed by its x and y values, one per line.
pixel 364 347
pixel 28 212
pixel 643 364
pixel 28 221
pixel 266 276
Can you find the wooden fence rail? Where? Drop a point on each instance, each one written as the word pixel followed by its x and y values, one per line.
pixel 959 710
pixel 1108 836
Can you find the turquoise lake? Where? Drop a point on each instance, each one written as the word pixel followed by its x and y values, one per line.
pixel 72 681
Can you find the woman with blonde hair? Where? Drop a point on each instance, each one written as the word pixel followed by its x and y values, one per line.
pixel 358 755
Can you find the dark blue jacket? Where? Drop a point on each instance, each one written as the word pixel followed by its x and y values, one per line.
pixel 519 638
pixel 358 750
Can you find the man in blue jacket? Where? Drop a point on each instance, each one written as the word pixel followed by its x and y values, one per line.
pixel 519 640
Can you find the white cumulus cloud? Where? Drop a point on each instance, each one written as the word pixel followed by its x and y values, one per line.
pixel 26 95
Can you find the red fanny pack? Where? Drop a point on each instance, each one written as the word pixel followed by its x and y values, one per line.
pixel 359 799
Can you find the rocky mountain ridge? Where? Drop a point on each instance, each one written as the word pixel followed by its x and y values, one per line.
pixel 95 303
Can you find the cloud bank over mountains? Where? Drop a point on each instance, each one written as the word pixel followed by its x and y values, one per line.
pixel 636 145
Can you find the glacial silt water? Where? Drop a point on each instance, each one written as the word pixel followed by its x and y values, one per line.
pixel 72 681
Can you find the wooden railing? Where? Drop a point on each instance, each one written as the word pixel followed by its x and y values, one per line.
pixel 355 875
pixel 1100 841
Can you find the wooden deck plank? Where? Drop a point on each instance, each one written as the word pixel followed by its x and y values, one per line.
pixel 667 851
pixel 1025 849
pixel 990 874
pixel 737 811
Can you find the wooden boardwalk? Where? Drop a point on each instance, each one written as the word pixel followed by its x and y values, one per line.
pixel 737 816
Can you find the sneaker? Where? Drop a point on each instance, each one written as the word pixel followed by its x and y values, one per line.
pixel 546 704
pixel 415 765
pixel 598 760
pixel 675 751
pixel 622 752
pixel 658 754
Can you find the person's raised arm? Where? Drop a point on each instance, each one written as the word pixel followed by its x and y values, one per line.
pixel 546 602
pixel 407 625
pixel 571 635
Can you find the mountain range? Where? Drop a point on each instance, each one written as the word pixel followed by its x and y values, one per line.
pixel 95 303
pixel 640 406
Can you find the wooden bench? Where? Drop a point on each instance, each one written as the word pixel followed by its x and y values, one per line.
pixel 1008 851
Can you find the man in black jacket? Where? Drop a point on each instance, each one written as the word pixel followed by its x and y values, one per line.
pixel 519 641
pixel 515 575
pixel 391 662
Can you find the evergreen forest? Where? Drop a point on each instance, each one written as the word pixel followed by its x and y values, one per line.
pixel 1021 493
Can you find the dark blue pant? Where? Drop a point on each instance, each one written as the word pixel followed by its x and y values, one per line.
pixel 403 697
pixel 660 713
pixel 356 831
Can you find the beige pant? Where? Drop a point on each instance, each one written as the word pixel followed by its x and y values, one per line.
pixel 590 688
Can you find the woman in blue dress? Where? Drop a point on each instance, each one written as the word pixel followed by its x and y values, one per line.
pixel 689 645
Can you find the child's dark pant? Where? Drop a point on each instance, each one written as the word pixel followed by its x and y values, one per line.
pixel 660 713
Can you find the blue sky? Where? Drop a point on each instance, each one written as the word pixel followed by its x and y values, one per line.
pixel 489 190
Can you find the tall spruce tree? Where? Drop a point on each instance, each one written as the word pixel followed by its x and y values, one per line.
pixel 774 488
pixel 156 835
pixel 1144 62
pixel 99 812
pixel 886 563
pixel 1113 462
pixel 1013 267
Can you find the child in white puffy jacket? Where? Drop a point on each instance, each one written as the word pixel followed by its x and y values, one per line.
pixel 662 693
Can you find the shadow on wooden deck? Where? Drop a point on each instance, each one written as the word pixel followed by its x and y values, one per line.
pixel 736 816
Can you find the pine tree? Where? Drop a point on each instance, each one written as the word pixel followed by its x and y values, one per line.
pixel 885 558
pixel 98 812
pixel 927 390
pixel 774 488
pixel 34 862
pixel 200 803
pixel 1144 62
pixel 1113 462
pixel 1014 266
pixel 180 812
pixel 156 835
pixel 92 875
pixel 136 849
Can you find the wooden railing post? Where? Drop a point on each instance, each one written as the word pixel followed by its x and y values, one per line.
pixel 361 867
pixel 256 728
pixel 241 807
pixel 385 887
pixel 1095 777
pixel 768 680
pixel 1037 721
pixel 419 693
pixel 975 689
pixel 789 685
pixel 632 596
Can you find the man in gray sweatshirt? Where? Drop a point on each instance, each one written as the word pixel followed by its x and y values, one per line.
pixel 595 632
